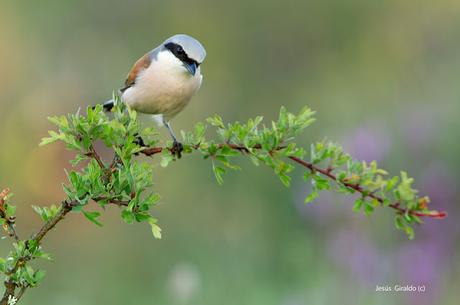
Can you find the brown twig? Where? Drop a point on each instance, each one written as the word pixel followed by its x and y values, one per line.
pixel 21 292
pixel 112 201
pixel 66 207
pixel 10 284
pixel 326 172
pixel 93 154
pixel 9 220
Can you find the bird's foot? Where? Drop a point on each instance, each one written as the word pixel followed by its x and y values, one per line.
pixel 139 141
pixel 177 149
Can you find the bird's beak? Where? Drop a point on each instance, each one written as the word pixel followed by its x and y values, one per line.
pixel 191 67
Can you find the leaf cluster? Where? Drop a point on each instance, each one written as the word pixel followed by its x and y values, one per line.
pixel 126 181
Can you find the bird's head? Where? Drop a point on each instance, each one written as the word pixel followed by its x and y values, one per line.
pixel 187 49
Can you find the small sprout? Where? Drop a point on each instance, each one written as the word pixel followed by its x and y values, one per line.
pixel 156 230
pixel 12 300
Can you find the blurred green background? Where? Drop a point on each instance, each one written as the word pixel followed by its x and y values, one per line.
pixel 384 79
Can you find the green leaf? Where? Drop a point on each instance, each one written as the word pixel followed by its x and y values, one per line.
pixel 43 255
pixel 10 210
pixel 368 208
pixel 78 208
pixel 148 202
pixel 140 217
pixel 127 216
pixel 313 195
pixel 59 121
pixel 3 264
pixel 216 121
pixel 45 212
pixel 166 159
pixel 358 204
pixel 156 230
pixel 218 172
pixel 92 216
pixel 320 182
pixel 29 275
pixel 39 275
pixel 392 183
pixel 410 232
pixel 46 141
pixel 285 179
pixel 399 222
pixel 199 131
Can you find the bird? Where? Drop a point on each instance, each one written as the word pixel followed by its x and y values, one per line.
pixel 163 81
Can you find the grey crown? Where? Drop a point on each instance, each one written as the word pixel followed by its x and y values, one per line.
pixel 191 46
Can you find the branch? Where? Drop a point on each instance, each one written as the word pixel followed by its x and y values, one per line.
pixel 120 203
pixel 66 207
pixel 10 284
pixel 9 223
pixel 127 183
pixel 325 172
pixel 93 154
pixel 328 173
pixel 21 292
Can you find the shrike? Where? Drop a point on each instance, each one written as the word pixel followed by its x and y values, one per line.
pixel 163 81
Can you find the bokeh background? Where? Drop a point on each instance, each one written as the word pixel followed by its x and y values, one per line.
pixel 384 79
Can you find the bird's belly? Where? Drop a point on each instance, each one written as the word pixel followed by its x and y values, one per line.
pixel 161 93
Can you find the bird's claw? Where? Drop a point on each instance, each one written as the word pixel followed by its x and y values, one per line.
pixel 139 141
pixel 177 149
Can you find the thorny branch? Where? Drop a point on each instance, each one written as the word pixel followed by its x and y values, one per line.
pixel 66 207
pixel 328 172
pixel 10 284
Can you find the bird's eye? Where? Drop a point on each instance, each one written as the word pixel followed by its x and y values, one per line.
pixel 180 50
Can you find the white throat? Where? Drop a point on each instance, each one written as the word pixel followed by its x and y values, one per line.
pixel 166 60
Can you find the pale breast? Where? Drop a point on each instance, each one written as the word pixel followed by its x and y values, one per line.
pixel 165 87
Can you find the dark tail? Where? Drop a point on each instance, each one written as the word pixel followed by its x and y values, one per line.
pixel 107 106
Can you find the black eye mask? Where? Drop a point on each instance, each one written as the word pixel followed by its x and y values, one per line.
pixel 179 52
